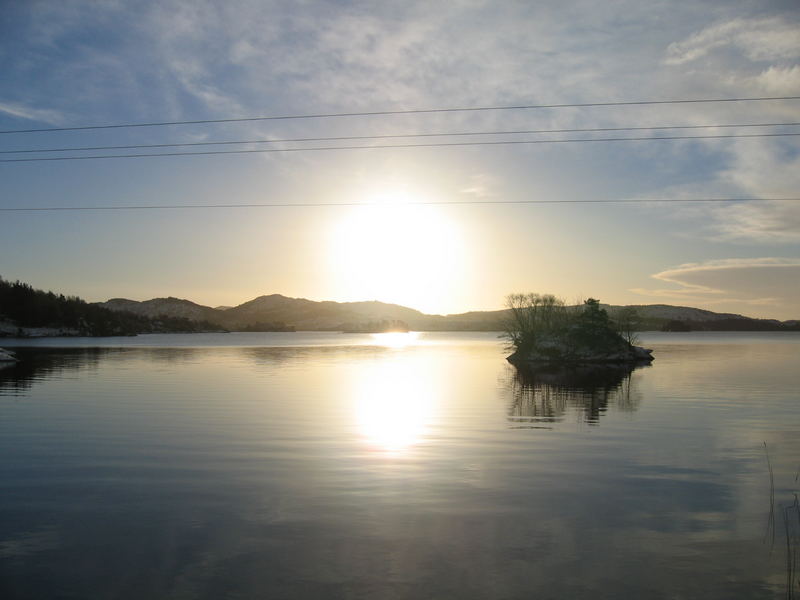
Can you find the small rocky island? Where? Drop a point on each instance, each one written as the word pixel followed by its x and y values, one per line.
pixel 542 330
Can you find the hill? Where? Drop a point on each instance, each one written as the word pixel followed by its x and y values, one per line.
pixel 163 307
pixel 278 312
pixel 27 311
pixel 35 312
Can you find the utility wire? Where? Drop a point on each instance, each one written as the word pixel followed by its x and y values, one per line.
pixel 379 146
pixel 399 135
pixel 420 203
pixel 403 112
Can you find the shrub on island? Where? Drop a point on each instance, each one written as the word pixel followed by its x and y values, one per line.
pixel 542 329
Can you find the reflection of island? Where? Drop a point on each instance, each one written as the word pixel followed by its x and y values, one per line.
pixel 384 326
pixel 545 394
pixel 260 327
pixel 36 364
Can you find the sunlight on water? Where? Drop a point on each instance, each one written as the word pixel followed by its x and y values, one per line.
pixel 395 339
pixel 394 405
pixel 329 465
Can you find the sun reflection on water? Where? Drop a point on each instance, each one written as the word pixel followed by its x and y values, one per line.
pixel 395 339
pixel 394 406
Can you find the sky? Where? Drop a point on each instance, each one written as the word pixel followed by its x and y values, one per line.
pixel 440 229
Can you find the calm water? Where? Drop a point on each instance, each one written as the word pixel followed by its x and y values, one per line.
pixel 356 466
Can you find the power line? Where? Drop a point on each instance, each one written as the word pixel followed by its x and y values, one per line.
pixel 373 204
pixel 398 136
pixel 403 112
pixel 384 146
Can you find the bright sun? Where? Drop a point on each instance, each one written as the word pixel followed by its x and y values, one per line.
pixel 395 251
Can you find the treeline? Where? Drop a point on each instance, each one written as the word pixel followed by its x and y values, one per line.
pixel 22 306
pixel 729 325
pixel 261 326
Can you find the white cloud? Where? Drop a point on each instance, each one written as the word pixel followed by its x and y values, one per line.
pixel 770 281
pixel 50 116
pixel 173 60
pixel 480 187
pixel 769 222
pixel 761 169
pixel 765 39
pixel 779 80
pixel 728 58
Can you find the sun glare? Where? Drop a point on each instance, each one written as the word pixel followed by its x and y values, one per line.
pixel 394 405
pixel 395 339
pixel 394 251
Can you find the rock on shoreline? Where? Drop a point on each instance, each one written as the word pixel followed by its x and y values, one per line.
pixel 556 353
pixel 8 330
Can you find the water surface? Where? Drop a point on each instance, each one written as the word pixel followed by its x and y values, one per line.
pixel 324 465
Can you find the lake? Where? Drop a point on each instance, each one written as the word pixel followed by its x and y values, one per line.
pixel 327 465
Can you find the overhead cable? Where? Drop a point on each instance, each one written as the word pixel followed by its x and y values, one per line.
pixel 387 205
pixel 384 146
pixel 396 136
pixel 405 112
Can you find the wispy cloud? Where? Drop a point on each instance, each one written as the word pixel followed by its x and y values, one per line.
pixel 174 60
pixel 761 170
pixel 746 56
pixel 480 187
pixel 758 222
pixel 769 281
pixel 779 80
pixel 43 115
pixel 764 39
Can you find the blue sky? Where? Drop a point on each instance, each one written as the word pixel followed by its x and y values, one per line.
pixel 83 63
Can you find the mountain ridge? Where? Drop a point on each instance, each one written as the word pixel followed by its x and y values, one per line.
pixel 310 315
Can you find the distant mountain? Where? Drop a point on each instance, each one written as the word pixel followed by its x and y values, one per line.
pixel 311 315
pixel 163 307
pixel 34 312
pixel 25 311
pixel 276 309
pixel 680 313
pixel 651 317
pixel 281 312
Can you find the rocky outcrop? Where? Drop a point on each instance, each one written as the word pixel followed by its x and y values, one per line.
pixel 11 329
pixel 558 352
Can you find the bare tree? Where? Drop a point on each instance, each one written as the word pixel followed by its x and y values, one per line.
pixel 628 321
pixel 532 316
